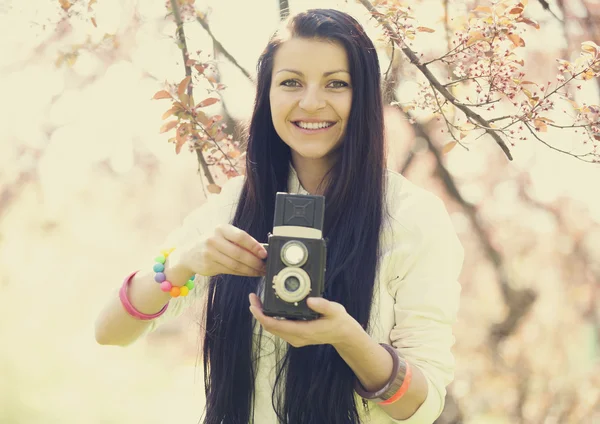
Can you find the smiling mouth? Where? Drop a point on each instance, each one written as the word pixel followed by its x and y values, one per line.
pixel 313 126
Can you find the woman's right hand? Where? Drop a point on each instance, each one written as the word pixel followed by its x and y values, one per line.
pixel 228 250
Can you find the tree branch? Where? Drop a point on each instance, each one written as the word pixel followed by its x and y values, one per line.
pixel 188 72
pixel 222 49
pixel 414 59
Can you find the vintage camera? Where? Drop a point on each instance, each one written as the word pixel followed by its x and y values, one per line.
pixel 296 257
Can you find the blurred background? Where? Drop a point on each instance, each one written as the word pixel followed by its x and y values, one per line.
pixel 89 187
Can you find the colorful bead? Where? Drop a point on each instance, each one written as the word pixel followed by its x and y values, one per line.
pixel 166 286
pixel 161 278
pixel 190 284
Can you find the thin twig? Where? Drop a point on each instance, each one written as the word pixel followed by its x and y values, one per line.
pixel 414 59
pixel 222 49
pixel 188 73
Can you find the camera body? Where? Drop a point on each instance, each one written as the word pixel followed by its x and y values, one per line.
pixel 296 257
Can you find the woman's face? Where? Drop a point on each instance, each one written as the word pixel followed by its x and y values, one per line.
pixel 311 96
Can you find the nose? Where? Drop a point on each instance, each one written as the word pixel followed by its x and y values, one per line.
pixel 312 100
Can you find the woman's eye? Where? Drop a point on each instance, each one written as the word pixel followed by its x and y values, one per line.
pixel 338 84
pixel 290 83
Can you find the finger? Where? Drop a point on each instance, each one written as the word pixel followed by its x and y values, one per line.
pixel 236 253
pixel 255 301
pixel 231 266
pixel 242 239
pixel 324 306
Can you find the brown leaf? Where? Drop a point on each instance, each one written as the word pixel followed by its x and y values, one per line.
pixel 516 11
pixel 162 94
pixel 94 22
pixel 179 144
pixel 183 85
pixel 483 9
pixel 168 126
pixel 234 154
pixel 213 188
pixel 517 41
pixel 168 113
pixel 449 146
pixel 65 4
pixel 540 125
pixel 202 118
pixel 529 22
pixel 590 47
pixel 425 29
pixel 185 99
pixel 528 82
pixel 476 36
pixel 208 102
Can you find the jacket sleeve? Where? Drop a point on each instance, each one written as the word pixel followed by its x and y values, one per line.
pixel 427 264
pixel 217 209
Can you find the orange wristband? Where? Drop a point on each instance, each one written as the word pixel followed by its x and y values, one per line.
pixel 403 388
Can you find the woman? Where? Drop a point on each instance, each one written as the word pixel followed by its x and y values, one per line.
pixel 381 352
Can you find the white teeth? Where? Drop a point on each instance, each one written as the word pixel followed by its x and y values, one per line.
pixel 314 125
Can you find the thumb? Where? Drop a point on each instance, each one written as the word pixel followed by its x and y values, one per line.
pixel 324 306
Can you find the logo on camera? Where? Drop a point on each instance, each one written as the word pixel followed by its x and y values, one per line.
pixel 296 256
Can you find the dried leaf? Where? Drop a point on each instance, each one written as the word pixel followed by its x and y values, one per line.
pixel 65 4
pixel 516 11
pixel 517 41
pixel 178 145
pixel 202 118
pixel 208 102
pixel 475 37
pixel 94 22
pixel 168 126
pixel 213 188
pixel 234 154
pixel 590 47
pixel 528 82
pixel 449 146
pixel 529 22
pixel 540 125
pixel 183 85
pixel 483 9
pixel 425 29
pixel 168 113
pixel 162 94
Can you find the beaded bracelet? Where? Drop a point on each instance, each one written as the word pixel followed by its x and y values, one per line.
pixel 161 278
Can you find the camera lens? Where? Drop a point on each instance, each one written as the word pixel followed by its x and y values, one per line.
pixel 292 284
pixel 294 253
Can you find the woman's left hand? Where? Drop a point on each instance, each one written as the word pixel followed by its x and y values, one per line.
pixel 335 326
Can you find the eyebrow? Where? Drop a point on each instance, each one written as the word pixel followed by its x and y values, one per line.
pixel 325 74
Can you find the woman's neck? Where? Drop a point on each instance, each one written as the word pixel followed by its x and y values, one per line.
pixel 311 173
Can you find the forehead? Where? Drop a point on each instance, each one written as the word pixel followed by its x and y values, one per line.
pixel 304 54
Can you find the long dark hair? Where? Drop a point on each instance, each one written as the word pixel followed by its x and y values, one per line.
pixel 354 213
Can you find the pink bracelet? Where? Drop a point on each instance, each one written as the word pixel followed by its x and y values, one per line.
pixel 129 307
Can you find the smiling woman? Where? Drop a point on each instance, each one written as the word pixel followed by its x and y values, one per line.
pixel 381 350
pixel 311 98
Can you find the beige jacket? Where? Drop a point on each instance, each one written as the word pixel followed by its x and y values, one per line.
pixel 416 297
